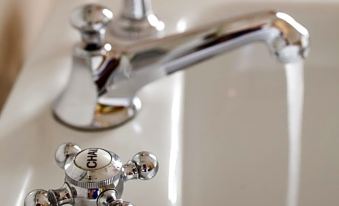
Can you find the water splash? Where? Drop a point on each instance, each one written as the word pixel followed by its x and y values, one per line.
pixel 295 99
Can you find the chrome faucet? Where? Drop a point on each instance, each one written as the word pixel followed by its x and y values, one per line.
pixel 107 73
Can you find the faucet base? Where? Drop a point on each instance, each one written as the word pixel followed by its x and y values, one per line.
pixel 106 116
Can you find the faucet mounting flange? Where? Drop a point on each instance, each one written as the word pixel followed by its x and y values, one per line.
pixel 107 116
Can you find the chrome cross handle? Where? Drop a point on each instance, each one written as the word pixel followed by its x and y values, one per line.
pixel 93 177
pixel 91 20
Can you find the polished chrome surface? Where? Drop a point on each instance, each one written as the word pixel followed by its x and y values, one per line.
pixel 61 196
pixel 38 197
pixel 64 152
pixel 104 83
pixel 137 21
pixel 93 168
pixel 93 176
pixel 91 20
pixel 109 198
pixel 147 165
pixel 144 166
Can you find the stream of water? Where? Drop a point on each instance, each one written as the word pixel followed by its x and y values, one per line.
pixel 295 98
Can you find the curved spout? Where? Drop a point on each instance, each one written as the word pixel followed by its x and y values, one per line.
pixel 102 88
pixel 147 61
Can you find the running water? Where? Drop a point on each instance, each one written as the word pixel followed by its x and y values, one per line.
pixel 295 97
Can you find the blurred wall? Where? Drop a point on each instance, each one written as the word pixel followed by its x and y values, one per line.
pixel 20 23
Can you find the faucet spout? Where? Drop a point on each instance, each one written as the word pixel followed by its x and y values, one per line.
pixel 147 61
pixel 124 69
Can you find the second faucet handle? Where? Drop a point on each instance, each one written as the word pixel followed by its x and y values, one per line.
pixel 99 168
pixel 93 176
pixel 91 20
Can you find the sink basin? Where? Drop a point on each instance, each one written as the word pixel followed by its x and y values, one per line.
pixel 220 134
pixel 235 133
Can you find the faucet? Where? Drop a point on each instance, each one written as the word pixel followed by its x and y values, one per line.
pixel 108 71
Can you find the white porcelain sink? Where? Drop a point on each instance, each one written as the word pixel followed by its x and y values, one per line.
pixel 219 129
